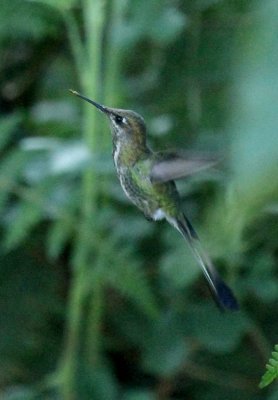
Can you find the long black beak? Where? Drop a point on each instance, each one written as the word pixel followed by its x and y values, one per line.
pixel 99 106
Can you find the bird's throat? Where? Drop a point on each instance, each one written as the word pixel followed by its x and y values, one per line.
pixel 126 154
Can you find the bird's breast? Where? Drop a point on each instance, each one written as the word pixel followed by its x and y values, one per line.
pixel 116 154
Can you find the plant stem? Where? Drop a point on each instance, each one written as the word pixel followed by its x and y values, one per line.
pixel 94 20
pixel 74 362
pixel 113 55
pixel 193 95
pixel 75 41
pixel 220 377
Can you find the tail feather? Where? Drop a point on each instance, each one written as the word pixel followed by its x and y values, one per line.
pixel 222 294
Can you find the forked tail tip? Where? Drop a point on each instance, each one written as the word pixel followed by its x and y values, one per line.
pixel 225 297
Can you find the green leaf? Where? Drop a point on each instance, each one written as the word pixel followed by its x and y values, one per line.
pixel 272 369
pixel 165 349
pixel 146 20
pixel 58 235
pixel 21 20
pixel 218 332
pixel 19 222
pixel 98 383
pixel 10 171
pixel 261 279
pixel 60 4
pixel 30 299
pixel 7 126
pixel 172 20
pixel 11 167
pixel 254 151
pixel 131 281
pixel 273 394
pixel 178 267
pixel 139 394
pixel 18 393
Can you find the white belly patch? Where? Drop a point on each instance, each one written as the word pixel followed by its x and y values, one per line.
pixel 158 214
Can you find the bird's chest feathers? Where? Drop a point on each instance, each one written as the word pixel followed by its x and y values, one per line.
pixel 124 156
pixel 122 162
pixel 130 175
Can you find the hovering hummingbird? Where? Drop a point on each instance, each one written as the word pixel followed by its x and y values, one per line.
pixel 147 178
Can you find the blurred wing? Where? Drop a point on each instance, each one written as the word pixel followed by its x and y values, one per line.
pixel 175 166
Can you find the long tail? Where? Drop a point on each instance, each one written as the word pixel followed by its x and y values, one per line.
pixel 222 294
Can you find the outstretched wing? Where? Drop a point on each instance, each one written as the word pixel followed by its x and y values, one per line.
pixel 171 166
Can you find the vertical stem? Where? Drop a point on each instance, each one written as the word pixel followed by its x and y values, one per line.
pixel 94 321
pixel 94 21
pixel 193 97
pixel 89 69
pixel 113 55
pixel 112 89
pixel 109 69
pixel 74 40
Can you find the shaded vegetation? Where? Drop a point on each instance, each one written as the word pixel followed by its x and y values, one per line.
pixel 97 303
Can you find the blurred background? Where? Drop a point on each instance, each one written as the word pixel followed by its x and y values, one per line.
pixel 96 302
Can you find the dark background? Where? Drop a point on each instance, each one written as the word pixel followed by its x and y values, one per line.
pixel 95 302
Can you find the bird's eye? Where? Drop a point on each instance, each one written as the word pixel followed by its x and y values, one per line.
pixel 118 119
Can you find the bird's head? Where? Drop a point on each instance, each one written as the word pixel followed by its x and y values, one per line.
pixel 126 125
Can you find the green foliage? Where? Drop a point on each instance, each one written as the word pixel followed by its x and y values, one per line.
pixel 272 369
pixel 27 20
pixel 219 333
pixel 31 309
pixel 60 4
pixel 8 124
pixel 96 302
pixel 142 26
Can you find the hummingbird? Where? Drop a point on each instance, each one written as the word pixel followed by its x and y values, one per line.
pixel 147 179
